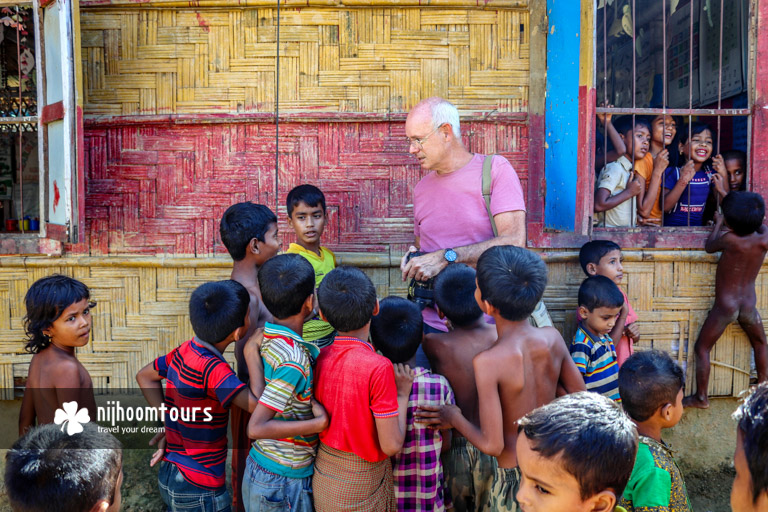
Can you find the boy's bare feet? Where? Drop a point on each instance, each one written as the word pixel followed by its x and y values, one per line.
pixel 695 401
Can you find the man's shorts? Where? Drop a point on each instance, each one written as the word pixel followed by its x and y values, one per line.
pixel 503 496
pixel 469 474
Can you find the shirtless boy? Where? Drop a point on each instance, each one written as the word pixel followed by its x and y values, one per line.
pixel 469 472
pixel 58 320
pixel 744 242
pixel 519 373
pixel 249 232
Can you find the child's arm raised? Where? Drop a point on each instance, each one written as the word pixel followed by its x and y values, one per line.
pixel 605 201
pixel 715 240
pixel 391 430
pixel 660 164
pixel 262 424
pixel 673 195
pixel 618 328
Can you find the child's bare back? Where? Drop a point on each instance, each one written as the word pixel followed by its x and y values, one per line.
pixel 451 354
pixel 740 262
pixel 526 364
pixel 55 376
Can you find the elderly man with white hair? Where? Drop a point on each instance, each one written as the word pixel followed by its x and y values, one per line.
pixel 451 221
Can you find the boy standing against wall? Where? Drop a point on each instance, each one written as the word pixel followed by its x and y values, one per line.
pixel 249 232
pixel 307 217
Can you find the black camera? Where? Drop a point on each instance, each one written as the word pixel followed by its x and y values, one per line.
pixel 422 293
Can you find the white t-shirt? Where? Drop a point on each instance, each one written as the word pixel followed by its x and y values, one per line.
pixel 614 177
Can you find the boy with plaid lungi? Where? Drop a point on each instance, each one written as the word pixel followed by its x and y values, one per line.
pixel 418 471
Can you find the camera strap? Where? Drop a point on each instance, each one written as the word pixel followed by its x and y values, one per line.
pixel 487 190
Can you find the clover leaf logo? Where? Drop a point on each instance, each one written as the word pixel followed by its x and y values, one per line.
pixel 72 418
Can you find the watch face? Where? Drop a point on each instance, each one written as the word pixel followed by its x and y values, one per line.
pixel 450 255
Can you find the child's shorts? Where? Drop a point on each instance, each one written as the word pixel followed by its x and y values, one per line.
pixel 469 474
pixel 264 491
pixel 182 496
pixel 503 497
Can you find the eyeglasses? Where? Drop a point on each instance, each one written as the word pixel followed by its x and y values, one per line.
pixel 419 143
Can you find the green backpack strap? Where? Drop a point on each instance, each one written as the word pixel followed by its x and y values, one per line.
pixel 487 189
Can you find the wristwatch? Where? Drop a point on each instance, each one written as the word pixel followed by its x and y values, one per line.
pixel 450 255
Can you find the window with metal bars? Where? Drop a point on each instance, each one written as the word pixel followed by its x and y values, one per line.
pixel 673 117
pixel 41 129
pixel 19 166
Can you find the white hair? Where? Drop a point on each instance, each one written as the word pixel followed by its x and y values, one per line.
pixel 444 112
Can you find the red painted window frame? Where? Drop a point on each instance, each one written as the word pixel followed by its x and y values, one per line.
pixel 666 238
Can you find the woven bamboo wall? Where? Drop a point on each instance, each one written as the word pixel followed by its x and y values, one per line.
pixel 173 61
pixel 163 188
pixel 142 311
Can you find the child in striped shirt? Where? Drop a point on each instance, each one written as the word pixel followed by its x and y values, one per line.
pixel 286 421
pixel 418 471
pixel 600 301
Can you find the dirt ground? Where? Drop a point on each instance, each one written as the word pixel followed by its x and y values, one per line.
pixel 709 491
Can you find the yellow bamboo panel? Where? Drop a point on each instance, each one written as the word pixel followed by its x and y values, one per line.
pixel 140 60
pixel 142 306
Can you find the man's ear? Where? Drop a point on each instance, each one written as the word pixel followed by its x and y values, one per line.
pixel 322 316
pixel 604 501
pixel 591 269
pixel 440 313
pixel 100 506
pixel 583 311
pixel 666 411
pixel 376 308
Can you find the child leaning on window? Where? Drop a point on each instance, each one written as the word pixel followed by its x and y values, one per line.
pixel 616 189
pixel 686 188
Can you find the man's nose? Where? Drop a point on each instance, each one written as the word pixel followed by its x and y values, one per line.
pixel 413 148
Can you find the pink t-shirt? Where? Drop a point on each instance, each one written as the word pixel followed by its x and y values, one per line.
pixel 449 210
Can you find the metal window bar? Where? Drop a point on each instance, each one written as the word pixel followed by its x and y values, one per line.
pixel 14 118
pixel 689 112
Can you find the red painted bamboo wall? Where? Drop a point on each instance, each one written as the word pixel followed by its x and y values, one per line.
pixel 162 188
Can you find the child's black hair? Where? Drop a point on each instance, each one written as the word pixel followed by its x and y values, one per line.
pixel 741 157
pixel 695 128
pixel 347 298
pixel 744 212
pixel 647 381
pixel 46 300
pixel 455 294
pixel 397 330
pixel 752 416
pixel 624 124
pixel 307 194
pixel 591 436
pixel 599 292
pixel 285 282
pixel 48 469
pixel 593 252
pixel 217 309
pixel 241 223
pixel 673 148
pixel 512 280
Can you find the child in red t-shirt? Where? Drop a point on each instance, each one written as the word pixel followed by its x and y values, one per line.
pixel 365 398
